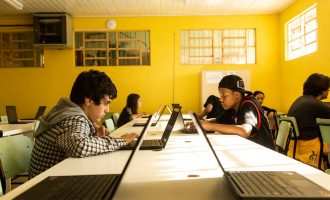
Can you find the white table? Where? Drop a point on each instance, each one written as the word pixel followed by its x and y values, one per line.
pixel 13 129
pixel 185 169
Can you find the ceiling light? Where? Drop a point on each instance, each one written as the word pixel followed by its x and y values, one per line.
pixel 16 4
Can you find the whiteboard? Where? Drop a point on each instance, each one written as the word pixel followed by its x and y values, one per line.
pixel 210 80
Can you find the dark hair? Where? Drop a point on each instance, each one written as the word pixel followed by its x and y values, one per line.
pixel 316 84
pixel 92 84
pixel 255 93
pixel 132 102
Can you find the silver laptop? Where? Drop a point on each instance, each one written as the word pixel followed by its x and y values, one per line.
pixel 266 184
pixel 94 187
pixel 158 115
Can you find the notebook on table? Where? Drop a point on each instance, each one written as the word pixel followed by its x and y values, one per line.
pixel 94 187
pixel 158 144
pixel 12 116
pixel 266 184
pixel 158 115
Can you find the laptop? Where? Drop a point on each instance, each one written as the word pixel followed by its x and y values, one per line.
pixel 94 187
pixel 41 110
pixel 12 116
pixel 158 111
pixel 158 144
pixel 159 114
pixel 267 184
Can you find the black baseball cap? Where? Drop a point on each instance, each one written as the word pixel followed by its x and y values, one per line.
pixel 233 82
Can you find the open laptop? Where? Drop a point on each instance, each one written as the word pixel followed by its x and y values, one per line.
pixel 267 184
pixel 159 115
pixel 158 144
pixel 158 111
pixel 41 110
pixel 94 187
pixel 12 116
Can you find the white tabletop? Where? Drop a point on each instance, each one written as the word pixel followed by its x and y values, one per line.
pixel 13 129
pixel 185 169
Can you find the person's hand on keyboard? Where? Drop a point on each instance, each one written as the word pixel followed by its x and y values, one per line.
pixel 129 137
pixel 101 131
pixel 190 125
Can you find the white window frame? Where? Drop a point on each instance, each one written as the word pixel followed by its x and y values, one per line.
pixel 301 34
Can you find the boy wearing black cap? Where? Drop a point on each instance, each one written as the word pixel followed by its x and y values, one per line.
pixel 243 114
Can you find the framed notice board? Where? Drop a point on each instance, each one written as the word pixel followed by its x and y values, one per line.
pixel 210 80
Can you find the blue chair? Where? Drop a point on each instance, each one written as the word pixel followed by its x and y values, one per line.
pixel 283 137
pixel 324 136
pixel 15 153
pixel 295 132
pixel 110 125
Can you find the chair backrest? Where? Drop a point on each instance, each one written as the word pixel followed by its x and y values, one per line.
pixel 110 125
pixel 324 126
pixel 283 136
pixel 115 117
pixel 15 153
pixel 292 120
pixel 4 118
pixel 2 183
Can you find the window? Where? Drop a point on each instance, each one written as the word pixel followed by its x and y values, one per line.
pixel 302 34
pixel 218 46
pixel 16 50
pixel 112 48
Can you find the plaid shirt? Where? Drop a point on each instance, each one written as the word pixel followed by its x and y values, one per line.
pixel 71 137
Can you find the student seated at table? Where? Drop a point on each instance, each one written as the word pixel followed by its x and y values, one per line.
pixel 306 109
pixel 131 110
pixel 260 96
pixel 269 112
pixel 70 129
pixel 243 114
pixel 212 108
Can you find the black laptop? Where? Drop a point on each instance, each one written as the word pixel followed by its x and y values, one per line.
pixel 158 144
pixel 41 110
pixel 12 116
pixel 159 115
pixel 94 187
pixel 267 184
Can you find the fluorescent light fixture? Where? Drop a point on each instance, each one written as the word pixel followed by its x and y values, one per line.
pixel 16 4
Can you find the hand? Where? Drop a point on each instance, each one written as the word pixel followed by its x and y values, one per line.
pixel 190 125
pixel 129 137
pixel 206 125
pixel 101 131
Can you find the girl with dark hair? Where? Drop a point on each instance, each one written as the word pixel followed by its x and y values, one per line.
pixel 306 109
pixel 131 110
pixel 269 112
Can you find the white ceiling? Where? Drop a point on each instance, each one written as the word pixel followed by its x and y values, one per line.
pixel 94 8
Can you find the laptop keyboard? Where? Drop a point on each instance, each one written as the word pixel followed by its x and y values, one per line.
pixel 262 183
pixel 152 143
pixel 79 187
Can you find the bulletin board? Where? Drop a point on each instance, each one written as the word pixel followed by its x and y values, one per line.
pixel 210 81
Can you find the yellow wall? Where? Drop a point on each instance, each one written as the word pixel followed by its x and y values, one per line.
pixel 295 72
pixel 165 81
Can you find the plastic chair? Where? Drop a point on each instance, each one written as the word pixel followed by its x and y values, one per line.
pixel 295 132
pixel 283 136
pixel 4 118
pixel 115 117
pixel 324 135
pixel 110 125
pixel 15 153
